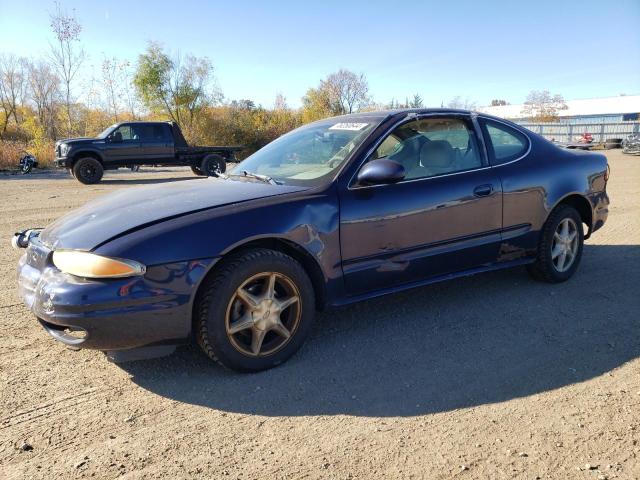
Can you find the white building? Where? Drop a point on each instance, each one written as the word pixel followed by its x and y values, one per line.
pixel 590 110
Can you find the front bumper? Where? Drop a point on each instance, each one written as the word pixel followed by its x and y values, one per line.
pixel 62 162
pixel 111 314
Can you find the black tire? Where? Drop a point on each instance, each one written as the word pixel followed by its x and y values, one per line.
pixel 212 165
pixel 88 170
pixel 197 171
pixel 543 268
pixel 215 301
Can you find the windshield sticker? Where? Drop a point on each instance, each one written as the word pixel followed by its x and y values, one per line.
pixel 348 126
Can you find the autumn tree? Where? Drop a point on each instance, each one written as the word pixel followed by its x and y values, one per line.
pixel 67 55
pixel 13 89
pixel 44 93
pixel 339 93
pixel 541 106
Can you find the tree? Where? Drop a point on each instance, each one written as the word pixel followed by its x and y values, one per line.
pixel 347 91
pixel 179 87
pixel 340 93
pixel 541 106
pixel 464 104
pixel 280 103
pixel 498 103
pixel 13 88
pixel 66 54
pixel 417 101
pixel 44 92
pixel 116 83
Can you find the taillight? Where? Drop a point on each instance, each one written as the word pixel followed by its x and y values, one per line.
pixel 606 174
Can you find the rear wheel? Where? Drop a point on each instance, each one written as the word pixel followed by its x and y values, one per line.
pixel 88 170
pixel 560 248
pixel 255 311
pixel 212 165
pixel 197 171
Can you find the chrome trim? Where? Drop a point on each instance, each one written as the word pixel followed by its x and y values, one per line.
pixel 410 117
pixel 515 127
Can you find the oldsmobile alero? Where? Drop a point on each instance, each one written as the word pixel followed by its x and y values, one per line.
pixel 334 212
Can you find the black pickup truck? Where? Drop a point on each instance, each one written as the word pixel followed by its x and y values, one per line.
pixel 130 144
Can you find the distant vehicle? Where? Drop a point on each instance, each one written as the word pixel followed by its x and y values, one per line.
pixel 131 144
pixel 631 144
pixel 334 212
pixel 27 162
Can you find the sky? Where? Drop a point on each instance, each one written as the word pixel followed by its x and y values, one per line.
pixel 479 50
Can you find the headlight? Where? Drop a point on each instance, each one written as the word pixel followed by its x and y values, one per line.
pixel 64 149
pixel 90 265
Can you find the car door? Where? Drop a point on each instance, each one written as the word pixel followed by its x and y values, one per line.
pixel 124 145
pixel 444 217
pixel 157 143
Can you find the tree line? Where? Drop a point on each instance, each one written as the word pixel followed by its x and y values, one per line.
pixel 40 103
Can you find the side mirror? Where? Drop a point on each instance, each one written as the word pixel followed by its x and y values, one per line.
pixel 115 137
pixel 381 171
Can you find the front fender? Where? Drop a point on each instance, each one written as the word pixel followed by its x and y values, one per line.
pixel 309 221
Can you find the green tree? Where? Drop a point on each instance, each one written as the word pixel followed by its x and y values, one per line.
pixel 178 87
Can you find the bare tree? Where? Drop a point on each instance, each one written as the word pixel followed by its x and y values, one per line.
pixel 44 92
pixel 541 106
pixel 464 104
pixel 13 88
pixel 347 91
pixel 113 80
pixel 280 102
pixel 66 54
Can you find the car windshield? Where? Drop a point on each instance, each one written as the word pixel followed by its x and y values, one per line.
pixel 106 131
pixel 310 154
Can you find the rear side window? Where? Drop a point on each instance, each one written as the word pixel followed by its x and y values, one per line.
pixel 506 143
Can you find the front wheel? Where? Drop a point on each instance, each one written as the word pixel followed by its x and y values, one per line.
pixel 560 248
pixel 255 311
pixel 88 170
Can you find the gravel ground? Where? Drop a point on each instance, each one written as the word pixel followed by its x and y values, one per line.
pixel 494 376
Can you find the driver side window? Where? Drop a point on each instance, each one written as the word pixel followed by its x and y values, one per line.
pixel 430 147
pixel 126 132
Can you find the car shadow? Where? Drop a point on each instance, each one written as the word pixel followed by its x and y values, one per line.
pixel 468 342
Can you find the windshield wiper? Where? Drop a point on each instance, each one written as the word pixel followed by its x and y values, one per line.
pixel 257 176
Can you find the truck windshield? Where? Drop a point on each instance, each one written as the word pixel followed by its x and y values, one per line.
pixel 106 131
pixel 310 154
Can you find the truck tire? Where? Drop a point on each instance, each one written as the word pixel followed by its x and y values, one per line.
pixel 197 171
pixel 212 165
pixel 88 170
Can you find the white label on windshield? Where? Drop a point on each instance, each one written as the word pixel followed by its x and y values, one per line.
pixel 348 126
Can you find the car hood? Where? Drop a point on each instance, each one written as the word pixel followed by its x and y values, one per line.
pixel 132 209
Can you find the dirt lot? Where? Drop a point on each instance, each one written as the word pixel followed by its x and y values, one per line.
pixel 494 376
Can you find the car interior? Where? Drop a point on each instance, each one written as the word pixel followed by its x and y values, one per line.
pixel 431 147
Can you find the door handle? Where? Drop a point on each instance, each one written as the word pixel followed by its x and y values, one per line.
pixel 483 190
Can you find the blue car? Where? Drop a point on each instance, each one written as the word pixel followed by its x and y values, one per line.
pixel 334 212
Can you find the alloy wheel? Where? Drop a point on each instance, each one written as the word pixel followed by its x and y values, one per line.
pixel 263 314
pixel 564 246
